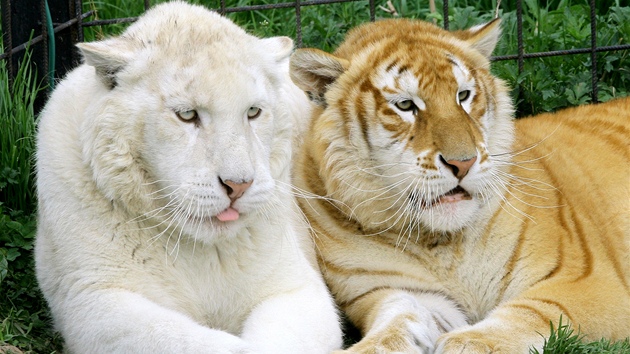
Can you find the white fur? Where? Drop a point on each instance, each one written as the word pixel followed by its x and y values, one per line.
pixel 129 253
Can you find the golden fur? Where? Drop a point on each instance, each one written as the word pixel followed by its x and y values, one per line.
pixel 442 224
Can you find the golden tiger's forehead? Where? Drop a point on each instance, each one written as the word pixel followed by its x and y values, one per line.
pixel 401 45
pixel 389 34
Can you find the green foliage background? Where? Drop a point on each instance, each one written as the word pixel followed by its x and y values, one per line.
pixel 545 84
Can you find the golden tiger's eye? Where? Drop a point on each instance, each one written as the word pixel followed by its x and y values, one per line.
pixel 253 112
pixel 187 116
pixel 463 95
pixel 405 105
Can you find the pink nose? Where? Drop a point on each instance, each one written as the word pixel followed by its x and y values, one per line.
pixel 235 190
pixel 460 168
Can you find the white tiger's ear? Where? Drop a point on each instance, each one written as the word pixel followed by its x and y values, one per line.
pixel 312 70
pixel 107 57
pixel 280 47
pixel 483 37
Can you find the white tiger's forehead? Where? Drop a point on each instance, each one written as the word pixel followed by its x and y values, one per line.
pixel 182 87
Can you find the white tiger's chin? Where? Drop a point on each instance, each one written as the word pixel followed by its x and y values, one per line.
pixel 450 214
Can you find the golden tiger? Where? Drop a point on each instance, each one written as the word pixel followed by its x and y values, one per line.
pixel 442 224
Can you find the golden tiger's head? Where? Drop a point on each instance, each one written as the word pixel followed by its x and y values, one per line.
pixel 411 130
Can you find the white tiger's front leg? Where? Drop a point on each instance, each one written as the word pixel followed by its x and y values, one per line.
pixel 302 321
pixel 402 322
pixel 120 321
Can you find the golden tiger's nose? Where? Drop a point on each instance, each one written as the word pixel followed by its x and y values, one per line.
pixel 460 168
pixel 235 190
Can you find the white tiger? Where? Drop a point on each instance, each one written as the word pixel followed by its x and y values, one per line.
pixel 165 221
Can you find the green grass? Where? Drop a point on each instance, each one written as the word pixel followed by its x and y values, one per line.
pixel 565 340
pixel 544 85
pixel 24 319
pixel 17 138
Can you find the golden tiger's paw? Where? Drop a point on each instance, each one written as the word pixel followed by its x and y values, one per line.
pixel 470 342
pixel 376 350
pixel 392 344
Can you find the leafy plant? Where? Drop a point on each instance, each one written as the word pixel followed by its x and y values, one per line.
pixel 546 84
pixel 24 317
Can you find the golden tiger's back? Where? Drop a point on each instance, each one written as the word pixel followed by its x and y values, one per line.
pixel 572 192
pixel 443 225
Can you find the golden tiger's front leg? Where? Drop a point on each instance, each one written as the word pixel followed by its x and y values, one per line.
pixel 401 321
pixel 522 323
pixel 510 329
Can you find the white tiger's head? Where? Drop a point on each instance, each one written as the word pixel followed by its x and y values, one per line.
pixel 411 124
pixel 194 125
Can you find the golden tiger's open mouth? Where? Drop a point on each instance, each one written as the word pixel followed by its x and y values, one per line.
pixel 455 195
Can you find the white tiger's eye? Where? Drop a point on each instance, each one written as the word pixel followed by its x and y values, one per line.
pixel 187 116
pixel 253 112
pixel 463 95
pixel 405 105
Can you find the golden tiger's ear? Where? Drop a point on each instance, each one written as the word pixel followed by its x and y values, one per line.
pixel 312 70
pixel 483 37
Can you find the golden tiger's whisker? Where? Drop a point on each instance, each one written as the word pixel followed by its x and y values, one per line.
pixel 377 197
pixel 381 175
pixel 399 195
pixel 414 221
pixel 400 212
pixel 502 185
pixel 527 181
pixel 306 196
pixel 388 187
pixel 519 163
pixel 529 147
pixel 509 191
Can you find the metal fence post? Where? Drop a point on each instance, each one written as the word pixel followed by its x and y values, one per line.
pixel 18 32
pixel 66 55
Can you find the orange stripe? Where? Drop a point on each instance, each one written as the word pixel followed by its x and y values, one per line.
pixel 412 291
pixel 532 310
pixel 588 255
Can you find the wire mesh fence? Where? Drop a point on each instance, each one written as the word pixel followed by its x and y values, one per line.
pixel 53 42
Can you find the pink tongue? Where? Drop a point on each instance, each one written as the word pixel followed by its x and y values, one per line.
pixel 229 214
